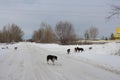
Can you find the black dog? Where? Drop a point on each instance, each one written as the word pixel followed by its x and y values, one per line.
pixel 15 48
pixel 90 48
pixel 52 58
pixel 68 51
pixel 80 49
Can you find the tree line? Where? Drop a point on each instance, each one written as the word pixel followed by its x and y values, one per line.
pixel 63 33
pixel 11 33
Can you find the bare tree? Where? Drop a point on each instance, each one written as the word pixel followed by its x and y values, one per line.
pixel 45 34
pixel 65 32
pixel 49 35
pixel 11 33
pixel 112 37
pixel 6 33
pixel 16 33
pixel 36 36
pixel 86 35
pixel 115 11
pixel 91 33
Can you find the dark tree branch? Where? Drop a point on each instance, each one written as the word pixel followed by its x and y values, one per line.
pixel 115 11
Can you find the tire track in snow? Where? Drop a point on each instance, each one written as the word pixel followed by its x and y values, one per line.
pixel 12 64
pixel 102 66
pixel 43 71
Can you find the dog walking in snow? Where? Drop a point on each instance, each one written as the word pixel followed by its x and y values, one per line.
pixel 68 51
pixel 52 58
pixel 15 48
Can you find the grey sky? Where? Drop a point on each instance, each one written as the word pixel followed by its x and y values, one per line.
pixel 28 14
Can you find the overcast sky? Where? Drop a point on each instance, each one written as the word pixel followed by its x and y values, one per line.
pixel 28 14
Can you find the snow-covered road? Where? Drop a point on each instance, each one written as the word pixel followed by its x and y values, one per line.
pixel 28 62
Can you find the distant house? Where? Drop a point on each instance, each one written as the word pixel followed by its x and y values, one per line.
pixel 117 33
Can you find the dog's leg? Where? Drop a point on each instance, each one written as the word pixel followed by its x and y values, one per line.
pixel 47 61
pixel 53 61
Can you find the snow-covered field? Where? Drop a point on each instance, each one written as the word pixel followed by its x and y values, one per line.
pixel 28 62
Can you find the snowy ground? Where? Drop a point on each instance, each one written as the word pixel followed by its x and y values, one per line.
pixel 28 62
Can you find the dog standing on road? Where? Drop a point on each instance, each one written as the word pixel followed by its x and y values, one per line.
pixel 52 58
pixel 15 48
pixel 80 49
pixel 68 51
